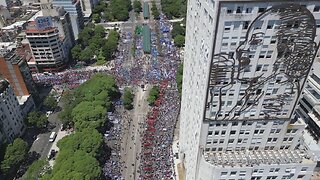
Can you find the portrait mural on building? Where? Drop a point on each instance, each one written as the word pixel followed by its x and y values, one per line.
pixel 292 57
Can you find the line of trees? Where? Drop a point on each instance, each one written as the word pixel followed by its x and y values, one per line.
pixel 137 6
pixel 128 99
pixel 178 34
pixel 174 8
pixel 180 78
pixel 92 42
pixel 15 154
pixel 82 152
pixel 153 95
pixel 154 10
pixel 118 10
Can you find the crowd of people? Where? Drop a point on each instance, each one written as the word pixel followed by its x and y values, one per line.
pixel 68 79
pixel 156 152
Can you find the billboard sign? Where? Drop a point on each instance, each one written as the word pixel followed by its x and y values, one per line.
pixel 43 22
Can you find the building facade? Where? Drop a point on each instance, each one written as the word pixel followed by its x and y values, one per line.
pixel 245 66
pixel 73 7
pixel 11 118
pixel 50 46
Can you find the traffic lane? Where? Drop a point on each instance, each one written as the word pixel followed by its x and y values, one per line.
pixel 42 145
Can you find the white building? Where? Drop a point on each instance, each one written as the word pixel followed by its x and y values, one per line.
pixel 73 7
pixel 246 63
pixel 11 119
pixel 50 40
pixel 309 110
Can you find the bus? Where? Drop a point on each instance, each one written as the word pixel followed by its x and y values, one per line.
pixel 52 137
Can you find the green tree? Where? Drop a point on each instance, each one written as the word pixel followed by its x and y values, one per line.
pixel 76 51
pixel 137 6
pixel 178 30
pixel 15 154
pixel 153 95
pixel 179 40
pixel 128 99
pixel 37 119
pixel 74 165
pixel 154 10
pixel 96 18
pixel 36 169
pixel 99 31
pixel 50 102
pixel 86 54
pixel 88 140
pixel 85 35
pixel 180 78
pixel 100 58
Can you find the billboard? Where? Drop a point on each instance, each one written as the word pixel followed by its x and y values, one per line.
pixel 43 22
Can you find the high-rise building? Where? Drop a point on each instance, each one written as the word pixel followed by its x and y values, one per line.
pixel 50 42
pixel 309 110
pixel 11 118
pixel 245 65
pixel 75 12
pixel 87 7
pixel 15 69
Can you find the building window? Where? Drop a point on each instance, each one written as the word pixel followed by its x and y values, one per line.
pixel 216 133
pixel 316 9
pixel 232 173
pixel 209 133
pixel 261 10
pixel 232 132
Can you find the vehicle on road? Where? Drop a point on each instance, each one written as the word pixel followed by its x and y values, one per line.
pixel 48 113
pixel 52 137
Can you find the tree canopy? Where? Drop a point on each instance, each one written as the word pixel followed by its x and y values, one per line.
pixel 87 105
pixel 15 154
pixel 174 8
pixel 36 169
pixel 92 41
pixel 154 10
pixel 37 119
pixel 50 102
pixel 153 95
pixel 179 40
pixel 118 10
pixel 128 99
pixel 74 165
pixel 137 6
pixel 180 78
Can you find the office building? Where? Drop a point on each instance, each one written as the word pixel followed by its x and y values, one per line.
pixel 50 47
pixel 11 118
pixel 73 7
pixel 15 69
pixel 309 110
pixel 245 66
pixel 87 7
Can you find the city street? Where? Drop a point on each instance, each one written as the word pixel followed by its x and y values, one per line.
pixel 131 144
pixel 42 145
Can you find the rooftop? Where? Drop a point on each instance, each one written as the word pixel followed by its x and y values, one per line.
pixel 250 158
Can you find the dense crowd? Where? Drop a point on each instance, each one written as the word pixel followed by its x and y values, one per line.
pixel 69 79
pixel 156 153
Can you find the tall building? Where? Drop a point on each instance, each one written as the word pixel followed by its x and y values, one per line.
pixel 11 118
pixel 87 6
pixel 50 47
pixel 75 12
pixel 309 110
pixel 15 69
pixel 245 65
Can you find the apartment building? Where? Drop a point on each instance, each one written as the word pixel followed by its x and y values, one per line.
pixel 246 64
pixel 73 7
pixel 11 118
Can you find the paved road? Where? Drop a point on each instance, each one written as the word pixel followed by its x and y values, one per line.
pixel 42 145
pixel 131 142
